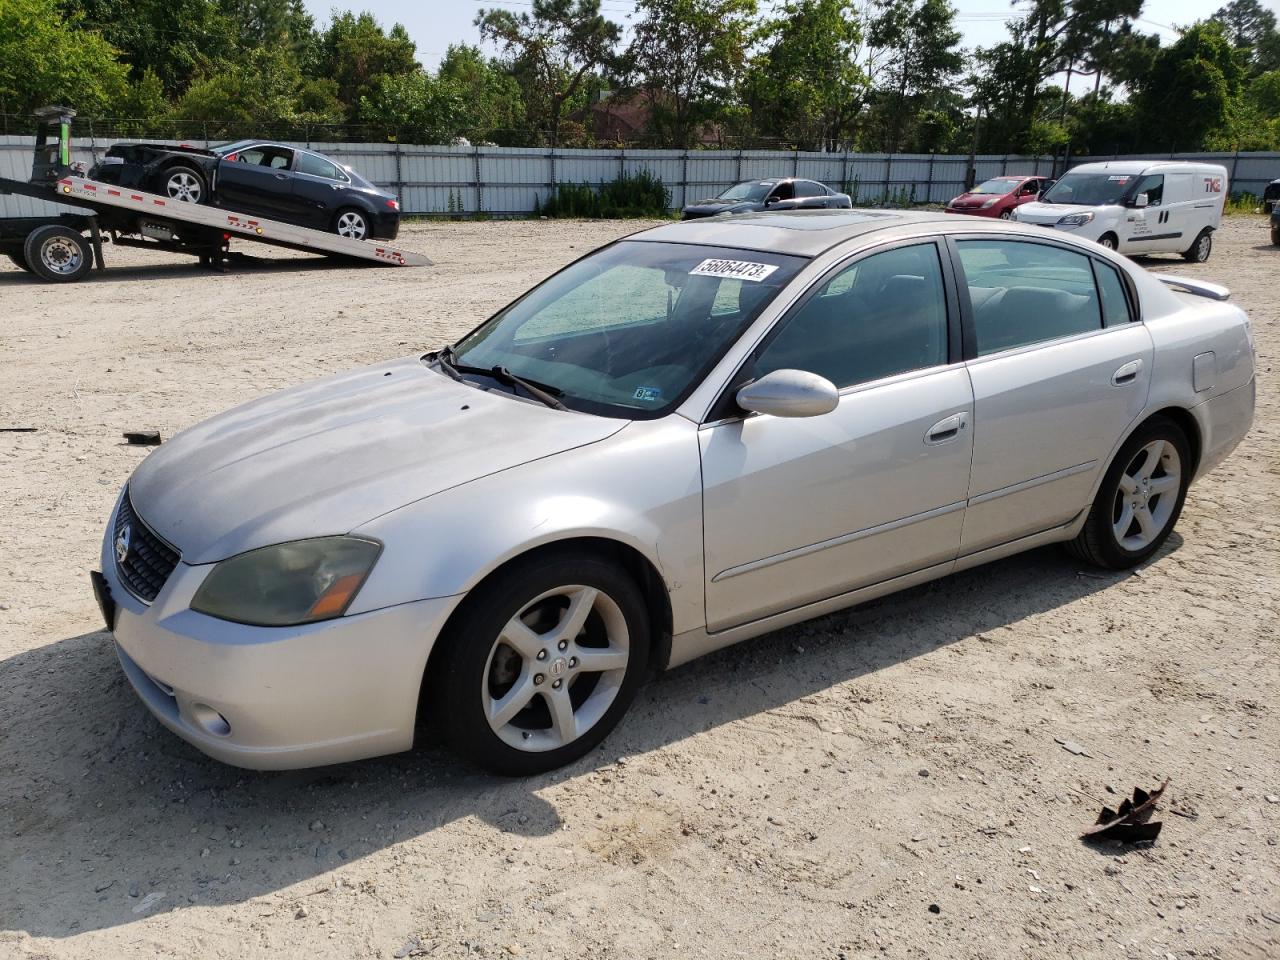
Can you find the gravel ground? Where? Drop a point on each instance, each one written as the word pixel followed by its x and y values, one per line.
pixel 881 782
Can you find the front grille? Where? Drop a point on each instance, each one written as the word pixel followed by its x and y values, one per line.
pixel 149 560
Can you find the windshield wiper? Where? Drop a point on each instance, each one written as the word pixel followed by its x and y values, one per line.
pixel 544 393
pixel 447 358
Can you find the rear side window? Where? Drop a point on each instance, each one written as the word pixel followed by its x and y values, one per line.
pixel 1115 305
pixel 886 314
pixel 309 163
pixel 807 188
pixel 1024 293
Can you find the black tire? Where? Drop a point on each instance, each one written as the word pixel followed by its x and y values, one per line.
pixel 20 261
pixel 183 183
pixel 1097 543
pixel 1006 215
pixel 1110 241
pixel 57 254
pixel 465 672
pixel 1200 249
pixel 352 223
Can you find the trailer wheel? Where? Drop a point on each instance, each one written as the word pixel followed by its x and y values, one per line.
pixel 20 261
pixel 58 254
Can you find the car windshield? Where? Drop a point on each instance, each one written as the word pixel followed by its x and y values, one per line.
pixel 630 330
pixel 750 190
pixel 1090 189
pixel 998 186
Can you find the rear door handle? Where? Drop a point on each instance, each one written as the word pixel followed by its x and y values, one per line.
pixel 1127 374
pixel 944 431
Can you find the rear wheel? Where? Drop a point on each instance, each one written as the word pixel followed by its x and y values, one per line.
pixel 1109 241
pixel 351 224
pixel 57 254
pixel 184 184
pixel 1199 251
pixel 541 663
pixel 1140 498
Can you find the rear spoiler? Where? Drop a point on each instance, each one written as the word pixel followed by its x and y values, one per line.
pixel 1201 288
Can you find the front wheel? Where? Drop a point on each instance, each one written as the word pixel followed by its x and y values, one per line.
pixel 1200 250
pixel 1006 215
pixel 351 224
pixel 1140 498
pixel 1109 241
pixel 541 663
pixel 185 184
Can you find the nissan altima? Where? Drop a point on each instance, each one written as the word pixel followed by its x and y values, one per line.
pixel 697 434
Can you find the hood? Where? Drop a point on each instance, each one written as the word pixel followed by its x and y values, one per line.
pixel 715 205
pixel 325 457
pixel 976 199
pixel 1039 212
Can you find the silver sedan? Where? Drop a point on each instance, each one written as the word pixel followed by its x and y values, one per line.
pixel 695 435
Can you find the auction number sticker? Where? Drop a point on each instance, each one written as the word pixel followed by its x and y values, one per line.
pixel 733 269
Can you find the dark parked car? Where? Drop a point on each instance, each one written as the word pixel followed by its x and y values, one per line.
pixel 998 196
pixel 1275 224
pixel 1271 197
pixel 779 193
pixel 268 180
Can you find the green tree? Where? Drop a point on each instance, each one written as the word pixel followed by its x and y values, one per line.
pixel 925 58
pixel 1191 90
pixel 355 52
pixel 552 51
pixel 494 108
pixel 805 85
pixel 46 59
pixel 684 58
pixel 418 107
pixel 1251 29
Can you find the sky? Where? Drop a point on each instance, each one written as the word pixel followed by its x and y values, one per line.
pixel 434 24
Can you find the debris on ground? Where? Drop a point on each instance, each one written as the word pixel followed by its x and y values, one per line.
pixel 1072 747
pixel 18 429
pixel 1130 823
pixel 142 438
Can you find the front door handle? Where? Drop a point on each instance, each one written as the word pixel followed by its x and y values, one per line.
pixel 1127 374
pixel 282 176
pixel 944 431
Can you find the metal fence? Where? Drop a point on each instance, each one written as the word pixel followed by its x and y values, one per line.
pixel 509 181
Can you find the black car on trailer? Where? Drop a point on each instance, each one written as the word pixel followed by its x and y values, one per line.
pixel 258 177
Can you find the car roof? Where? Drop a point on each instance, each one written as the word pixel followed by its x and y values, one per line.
pixel 808 233
pixel 1135 167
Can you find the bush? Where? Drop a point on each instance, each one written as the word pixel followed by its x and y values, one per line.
pixel 630 195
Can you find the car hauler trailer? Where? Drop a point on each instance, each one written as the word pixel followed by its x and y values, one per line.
pixel 65 247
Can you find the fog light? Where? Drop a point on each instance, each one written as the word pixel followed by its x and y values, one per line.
pixel 210 720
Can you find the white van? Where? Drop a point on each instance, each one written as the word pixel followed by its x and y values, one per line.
pixel 1137 206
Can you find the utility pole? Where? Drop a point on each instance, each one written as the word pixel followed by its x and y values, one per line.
pixel 971 173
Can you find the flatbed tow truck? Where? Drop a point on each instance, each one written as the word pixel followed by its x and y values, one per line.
pixel 65 247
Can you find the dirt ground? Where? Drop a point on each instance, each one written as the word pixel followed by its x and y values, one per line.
pixel 885 781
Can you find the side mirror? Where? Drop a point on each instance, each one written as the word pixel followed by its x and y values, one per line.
pixel 770 201
pixel 1141 200
pixel 790 393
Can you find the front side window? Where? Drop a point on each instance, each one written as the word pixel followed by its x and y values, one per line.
pixel 276 158
pixel 630 330
pixel 1153 187
pixel 783 191
pixel 886 314
pixel 1024 293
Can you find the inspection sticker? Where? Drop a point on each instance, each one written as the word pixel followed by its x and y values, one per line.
pixel 733 269
pixel 1119 179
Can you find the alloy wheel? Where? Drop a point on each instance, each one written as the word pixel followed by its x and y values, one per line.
pixel 1146 495
pixel 352 226
pixel 184 187
pixel 555 668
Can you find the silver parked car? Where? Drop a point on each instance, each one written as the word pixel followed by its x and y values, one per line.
pixel 695 435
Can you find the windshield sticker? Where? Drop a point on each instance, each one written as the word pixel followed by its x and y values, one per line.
pixel 733 269
pixel 648 394
pixel 1119 179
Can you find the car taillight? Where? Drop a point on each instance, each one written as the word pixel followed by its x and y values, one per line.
pixel 393 204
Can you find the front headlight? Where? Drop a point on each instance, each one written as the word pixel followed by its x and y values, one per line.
pixel 1075 220
pixel 289 583
pixel 991 203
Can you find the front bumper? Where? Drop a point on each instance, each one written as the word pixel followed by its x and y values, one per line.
pixel 275 698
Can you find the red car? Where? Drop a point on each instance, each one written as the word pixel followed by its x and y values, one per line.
pixel 998 196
